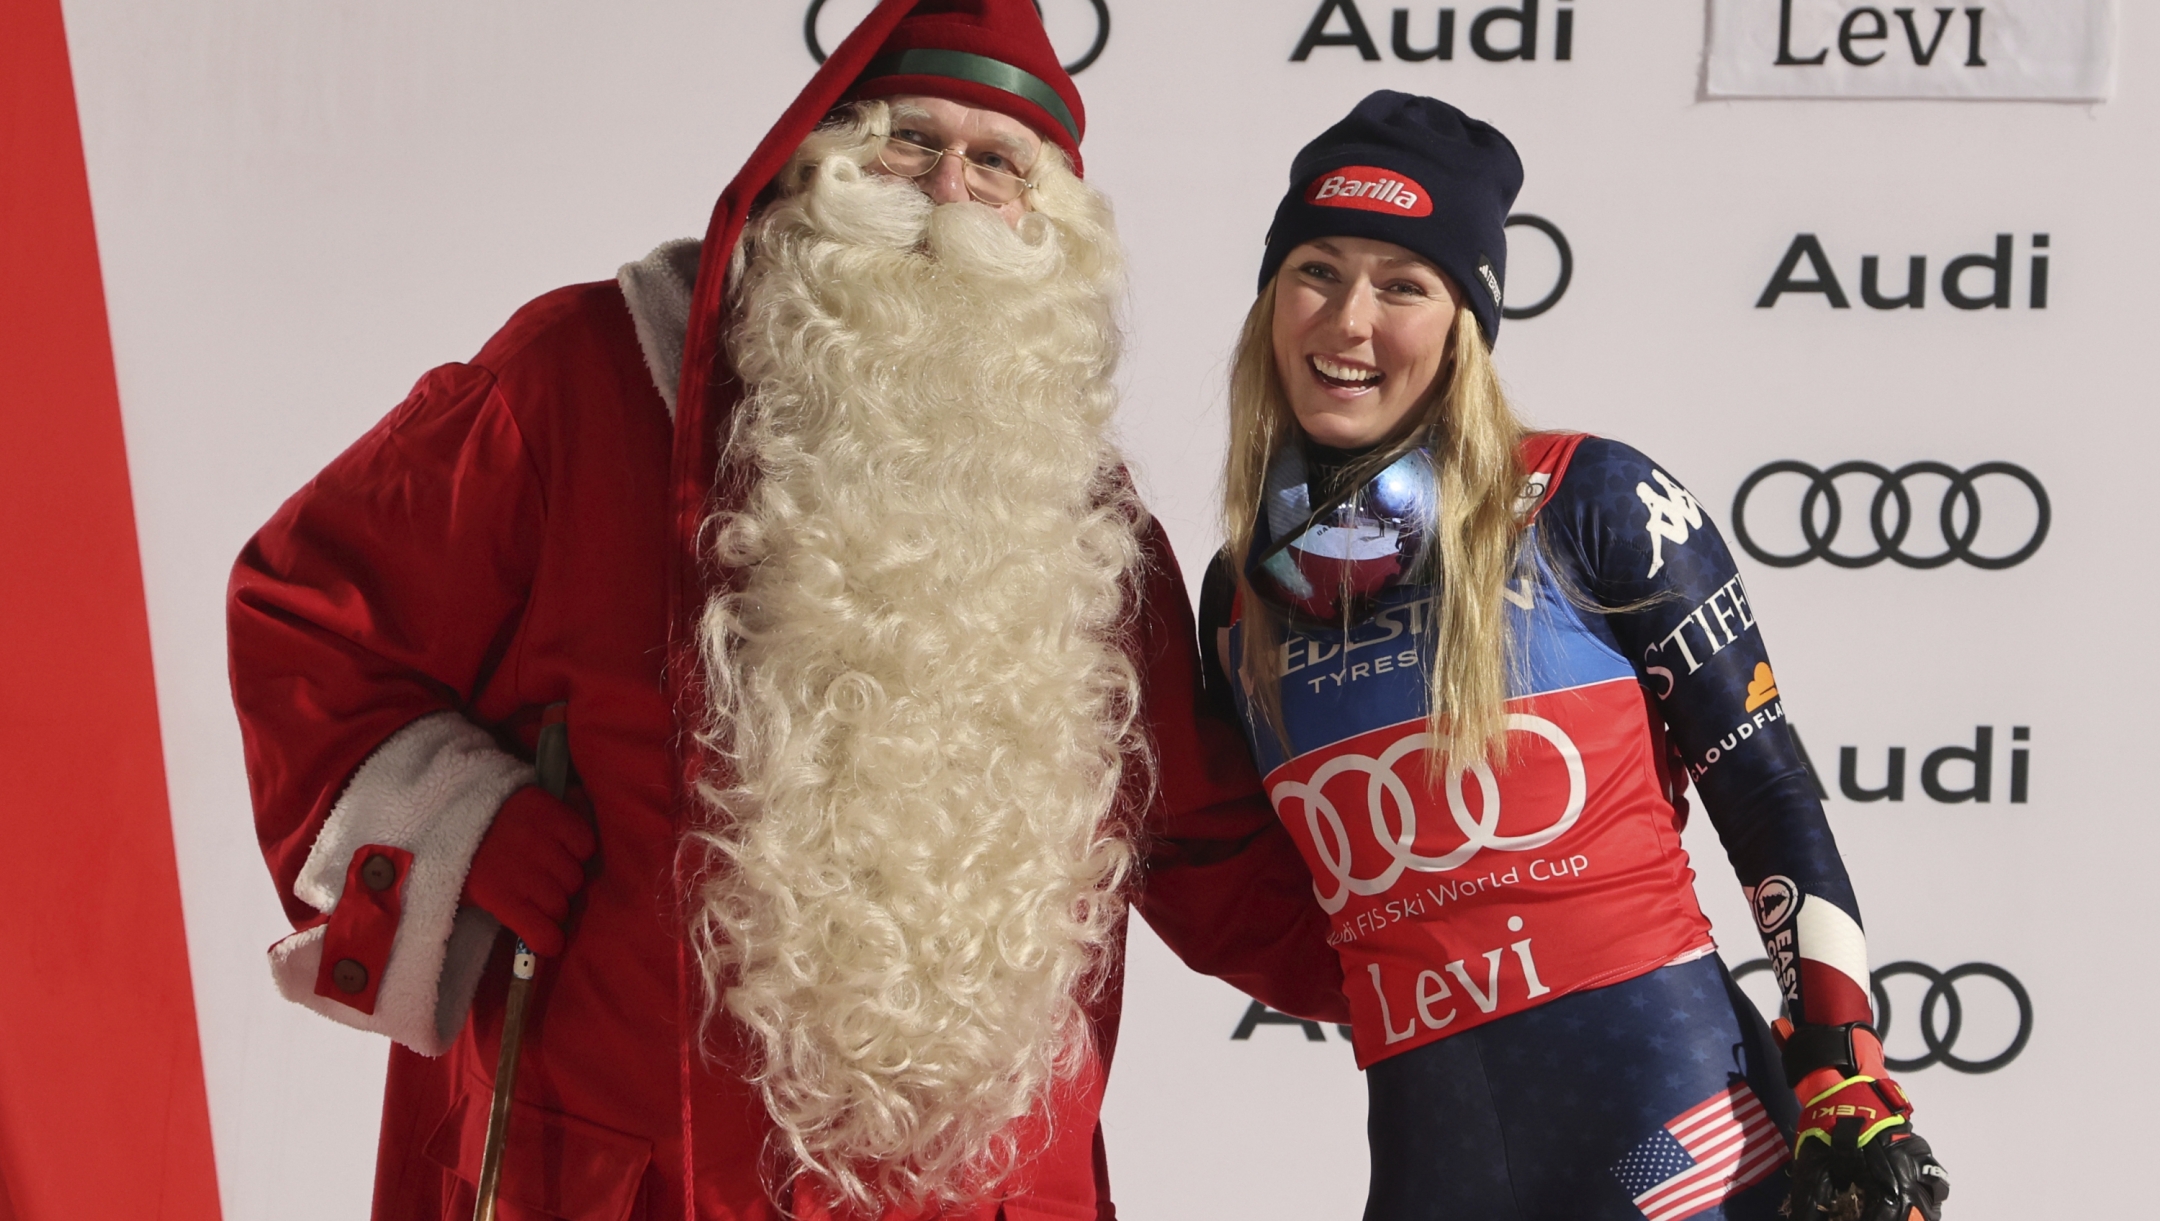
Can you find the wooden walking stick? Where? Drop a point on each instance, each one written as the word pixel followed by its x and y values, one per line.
pixel 551 760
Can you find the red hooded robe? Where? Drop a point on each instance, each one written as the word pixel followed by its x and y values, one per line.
pixel 521 531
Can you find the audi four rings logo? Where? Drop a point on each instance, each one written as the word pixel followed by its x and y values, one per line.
pixel 1385 789
pixel 1942 1013
pixel 1892 512
pixel 1561 251
pixel 1087 58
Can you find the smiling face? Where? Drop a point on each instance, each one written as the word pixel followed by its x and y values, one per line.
pixel 1360 333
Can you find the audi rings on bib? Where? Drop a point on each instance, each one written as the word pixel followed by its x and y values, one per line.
pixel 1385 788
pixel 1960 496
pixel 1942 1013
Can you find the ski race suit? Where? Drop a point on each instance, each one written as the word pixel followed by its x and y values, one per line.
pixel 1533 986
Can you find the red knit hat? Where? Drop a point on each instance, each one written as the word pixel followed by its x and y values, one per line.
pixel 992 54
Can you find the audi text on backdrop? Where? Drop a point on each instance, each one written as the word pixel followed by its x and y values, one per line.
pixel 1500 34
pixel 1961 275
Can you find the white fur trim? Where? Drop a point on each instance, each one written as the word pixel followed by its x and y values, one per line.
pixel 658 288
pixel 432 789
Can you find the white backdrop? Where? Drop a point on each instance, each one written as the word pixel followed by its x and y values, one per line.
pixel 301 207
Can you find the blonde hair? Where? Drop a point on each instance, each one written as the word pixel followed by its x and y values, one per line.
pixel 919 696
pixel 1476 443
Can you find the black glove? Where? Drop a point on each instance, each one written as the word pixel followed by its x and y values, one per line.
pixel 1893 1177
pixel 1856 1156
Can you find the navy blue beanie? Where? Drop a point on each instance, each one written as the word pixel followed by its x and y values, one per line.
pixel 1414 171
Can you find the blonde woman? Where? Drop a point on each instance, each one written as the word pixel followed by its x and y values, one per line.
pixel 1479 667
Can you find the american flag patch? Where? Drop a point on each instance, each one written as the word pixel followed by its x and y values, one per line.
pixel 1706 1155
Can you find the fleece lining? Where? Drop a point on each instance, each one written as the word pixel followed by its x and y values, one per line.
pixel 658 288
pixel 432 789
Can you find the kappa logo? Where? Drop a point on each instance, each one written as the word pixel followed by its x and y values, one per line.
pixel 1673 514
pixel 1370 190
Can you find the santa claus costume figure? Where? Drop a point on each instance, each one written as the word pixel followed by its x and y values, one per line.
pixel 877 678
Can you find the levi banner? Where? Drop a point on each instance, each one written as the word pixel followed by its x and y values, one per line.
pixel 2034 50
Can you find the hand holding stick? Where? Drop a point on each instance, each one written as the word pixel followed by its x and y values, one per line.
pixel 551 761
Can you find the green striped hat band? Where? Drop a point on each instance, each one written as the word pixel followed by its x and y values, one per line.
pixel 982 70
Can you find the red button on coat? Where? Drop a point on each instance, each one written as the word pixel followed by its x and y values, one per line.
pixel 363 926
pixel 349 976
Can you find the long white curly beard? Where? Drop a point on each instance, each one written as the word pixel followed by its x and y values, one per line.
pixel 919 689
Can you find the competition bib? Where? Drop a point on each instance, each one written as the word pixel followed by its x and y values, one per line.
pixel 1461 891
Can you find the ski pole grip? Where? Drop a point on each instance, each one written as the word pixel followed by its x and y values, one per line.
pixel 551 755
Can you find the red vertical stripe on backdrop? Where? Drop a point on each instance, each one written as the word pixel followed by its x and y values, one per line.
pixel 102 1110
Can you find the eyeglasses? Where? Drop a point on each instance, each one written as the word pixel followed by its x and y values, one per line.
pixel 984 184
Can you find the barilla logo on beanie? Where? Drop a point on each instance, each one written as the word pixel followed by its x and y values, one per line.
pixel 1370 190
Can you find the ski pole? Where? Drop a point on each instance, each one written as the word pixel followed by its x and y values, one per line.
pixel 551 761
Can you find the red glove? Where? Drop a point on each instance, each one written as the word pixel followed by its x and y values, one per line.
pixel 530 862
pixel 1855 1155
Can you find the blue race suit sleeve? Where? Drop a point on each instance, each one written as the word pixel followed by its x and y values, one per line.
pixel 1634 542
